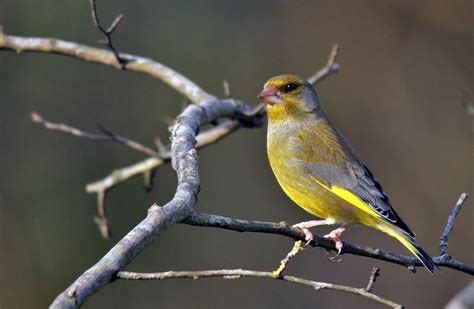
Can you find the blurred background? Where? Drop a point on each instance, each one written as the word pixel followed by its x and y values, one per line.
pixel 407 67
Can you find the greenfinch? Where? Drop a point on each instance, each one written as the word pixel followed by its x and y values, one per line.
pixel 318 169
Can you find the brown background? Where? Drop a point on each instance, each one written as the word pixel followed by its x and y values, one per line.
pixel 405 68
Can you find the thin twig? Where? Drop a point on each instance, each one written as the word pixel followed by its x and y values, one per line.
pixel 443 240
pixel 282 228
pixel 101 219
pixel 108 135
pixel 128 142
pixel 373 277
pixel 240 273
pixel 297 248
pixel 122 62
pixel 330 67
pixel 37 118
pixel 148 180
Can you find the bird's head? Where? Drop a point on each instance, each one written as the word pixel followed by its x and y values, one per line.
pixel 289 96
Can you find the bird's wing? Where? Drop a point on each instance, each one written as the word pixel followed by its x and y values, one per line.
pixel 356 185
pixel 344 175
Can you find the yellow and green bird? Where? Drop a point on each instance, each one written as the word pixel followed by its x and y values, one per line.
pixel 319 170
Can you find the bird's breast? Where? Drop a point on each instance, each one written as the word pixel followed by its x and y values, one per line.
pixel 288 153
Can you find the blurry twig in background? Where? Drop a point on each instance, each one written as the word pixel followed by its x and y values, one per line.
pixel 464 299
pixel 144 167
pixel 330 67
pixel 122 62
pixel 231 274
pixel 226 86
pixel 467 105
pixel 101 218
pixel 38 118
pixel 108 135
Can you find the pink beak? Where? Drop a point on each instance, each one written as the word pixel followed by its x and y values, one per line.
pixel 270 95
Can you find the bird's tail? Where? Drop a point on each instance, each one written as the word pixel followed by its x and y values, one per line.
pixel 410 243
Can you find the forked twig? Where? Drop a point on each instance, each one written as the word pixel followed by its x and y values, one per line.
pixel 373 277
pixel 107 41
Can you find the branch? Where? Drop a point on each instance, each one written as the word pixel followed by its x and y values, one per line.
pixel 282 228
pixel 107 136
pixel 240 273
pixel 443 240
pixel 135 63
pixel 330 67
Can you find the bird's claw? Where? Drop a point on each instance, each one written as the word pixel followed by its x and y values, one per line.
pixel 334 258
pixel 308 235
pixel 335 236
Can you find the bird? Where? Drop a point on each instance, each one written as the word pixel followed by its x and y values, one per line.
pixel 319 170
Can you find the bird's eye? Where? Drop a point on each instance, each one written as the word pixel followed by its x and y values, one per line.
pixel 290 87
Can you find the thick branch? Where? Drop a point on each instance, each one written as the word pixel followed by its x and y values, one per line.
pixel 184 161
pixel 206 220
pixel 240 273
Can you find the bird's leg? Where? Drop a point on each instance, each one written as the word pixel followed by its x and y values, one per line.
pixel 336 237
pixel 305 226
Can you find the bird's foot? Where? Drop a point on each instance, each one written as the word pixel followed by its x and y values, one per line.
pixel 308 235
pixel 335 236
pixel 305 226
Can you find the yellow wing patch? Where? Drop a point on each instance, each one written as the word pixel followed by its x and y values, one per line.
pixel 349 197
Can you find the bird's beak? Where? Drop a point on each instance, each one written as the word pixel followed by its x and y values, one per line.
pixel 270 95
